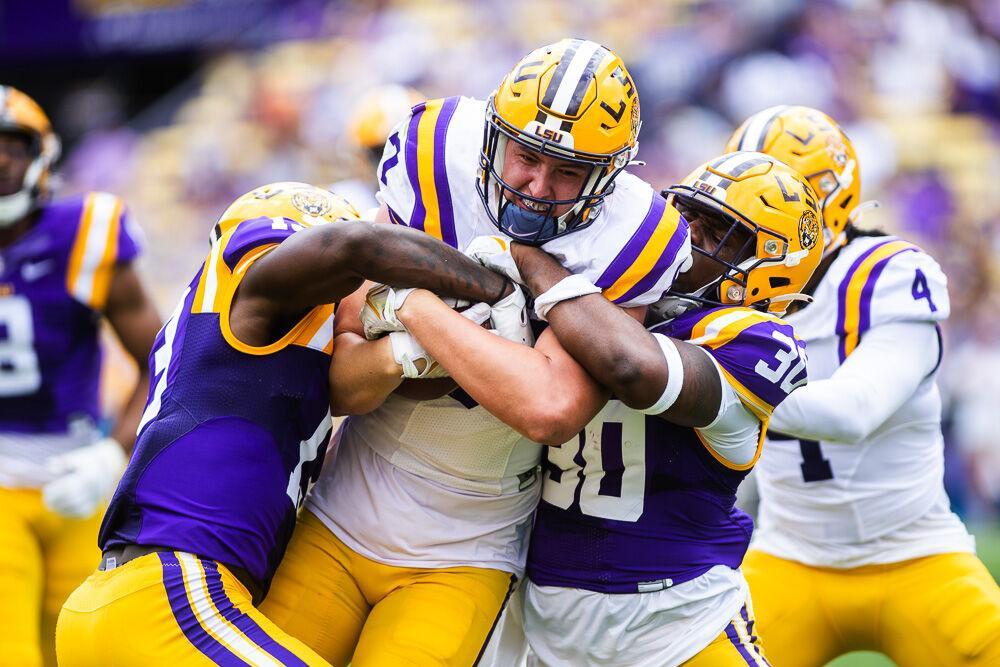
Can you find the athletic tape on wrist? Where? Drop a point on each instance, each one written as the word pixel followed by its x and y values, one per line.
pixel 569 287
pixel 675 376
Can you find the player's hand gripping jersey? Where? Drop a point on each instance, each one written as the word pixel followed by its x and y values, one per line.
pixel 829 501
pixel 53 282
pixel 219 470
pixel 474 474
pixel 638 504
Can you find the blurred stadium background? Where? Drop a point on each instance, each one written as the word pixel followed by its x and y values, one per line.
pixel 179 106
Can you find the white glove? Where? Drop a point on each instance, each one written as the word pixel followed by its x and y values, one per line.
pixel 407 351
pixel 85 478
pixel 509 318
pixel 493 252
pixel 378 315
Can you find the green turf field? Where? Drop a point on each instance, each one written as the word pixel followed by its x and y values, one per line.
pixel 988 547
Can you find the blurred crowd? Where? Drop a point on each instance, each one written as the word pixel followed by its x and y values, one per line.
pixel 916 84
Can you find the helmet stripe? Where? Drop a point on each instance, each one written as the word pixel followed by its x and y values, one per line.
pixel 557 76
pixel 720 170
pixel 755 135
pixel 749 164
pixel 584 81
pixel 574 77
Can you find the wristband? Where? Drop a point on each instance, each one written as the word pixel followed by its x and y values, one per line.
pixel 569 287
pixel 675 377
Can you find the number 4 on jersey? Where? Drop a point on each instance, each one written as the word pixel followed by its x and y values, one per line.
pixel 920 290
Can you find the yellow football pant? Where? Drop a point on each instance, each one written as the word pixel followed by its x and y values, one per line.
pixel 172 609
pixel 939 610
pixel 736 646
pixel 43 557
pixel 349 608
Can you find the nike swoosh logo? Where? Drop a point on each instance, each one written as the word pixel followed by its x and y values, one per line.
pixel 32 271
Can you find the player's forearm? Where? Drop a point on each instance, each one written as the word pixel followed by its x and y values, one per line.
pixel 611 344
pixel 507 379
pixel 362 374
pixel 404 257
pixel 871 385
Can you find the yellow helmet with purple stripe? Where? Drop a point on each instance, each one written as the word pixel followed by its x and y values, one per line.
pixel 305 204
pixel 774 208
pixel 573 100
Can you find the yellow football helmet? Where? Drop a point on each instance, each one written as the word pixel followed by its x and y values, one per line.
pixel 378 111
pixel 777 206
pixel 573 100
pixel 811 143
pixel 21 114
pixel 306 204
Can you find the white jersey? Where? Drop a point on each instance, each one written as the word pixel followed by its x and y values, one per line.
pixel 443 482
pixel 880 500
pixel 428 175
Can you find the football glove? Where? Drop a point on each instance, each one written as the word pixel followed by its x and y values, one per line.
pixel 509 317
pixel 378 315
pixel 84 478
pixel 408 352
pixel 493 252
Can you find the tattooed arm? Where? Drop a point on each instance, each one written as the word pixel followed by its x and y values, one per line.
pixel 324 264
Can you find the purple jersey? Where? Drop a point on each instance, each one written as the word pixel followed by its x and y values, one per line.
pixel 636 503
pixel 54 282
pixel 232 434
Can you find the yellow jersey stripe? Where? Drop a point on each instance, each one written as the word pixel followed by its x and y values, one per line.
pixel 761 408
pixel 105 270
pixel 656 256
pixel 425 167
pixel 719 327
pixel 318 331
pixel 208 287
pixel 855 286
pixel 90 251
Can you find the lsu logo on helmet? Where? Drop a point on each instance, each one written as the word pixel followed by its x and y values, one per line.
pixel 306 204
pixel 808 229
pixel 811 143
pixel 573 100
pixel 758 194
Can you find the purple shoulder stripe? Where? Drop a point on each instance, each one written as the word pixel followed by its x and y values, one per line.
pixel 865 318
pixel 254 233
pixel 410 154
pixel 842 288
pixel 394 160
pixel 628 254
pixel 445 208
pixel 663 262
pixel 129 239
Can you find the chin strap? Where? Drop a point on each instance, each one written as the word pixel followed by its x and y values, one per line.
pixel 796 296
pixel 855 216
pixel 14 207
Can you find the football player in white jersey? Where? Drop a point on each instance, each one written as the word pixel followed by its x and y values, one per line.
pixel 857 547
pixel 412 541
pixel 636 545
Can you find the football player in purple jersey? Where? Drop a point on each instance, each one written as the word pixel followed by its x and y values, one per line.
pixel 235 431
pixel 637 543
pixel 65 265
